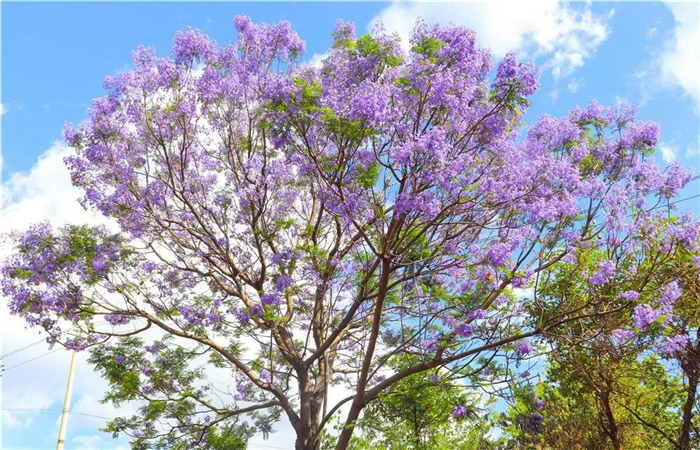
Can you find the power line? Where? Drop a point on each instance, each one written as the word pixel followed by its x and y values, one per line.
pixel 57 410
pixel 672 203
pixel 30 360
pixel 35 343
pixel 13 352
pixel 684 199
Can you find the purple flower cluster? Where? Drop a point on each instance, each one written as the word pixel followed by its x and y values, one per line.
pixel 270 299
pixel 645 315
pixel 459 412
pixel 622 336
pixel 674 344
pixel 630 295
pixel 605 273
pixel 523 347
pixel 530 423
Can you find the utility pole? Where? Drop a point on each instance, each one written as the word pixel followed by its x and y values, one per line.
pixel 66 404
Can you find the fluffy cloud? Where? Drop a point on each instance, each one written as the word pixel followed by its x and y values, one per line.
pixel 44 193
pixel 668 154
pixel 317 59
pixel 575 85
pixel 680 60
pixel 674 64
pixel 86 442
pixel 562 35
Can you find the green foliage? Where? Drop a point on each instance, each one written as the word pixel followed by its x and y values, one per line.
pixel 366 45
pixel 598 392
pixel 416 413
pixel 367 178
pixel 428 47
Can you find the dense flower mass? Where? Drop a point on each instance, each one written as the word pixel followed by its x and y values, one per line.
pixel 383 203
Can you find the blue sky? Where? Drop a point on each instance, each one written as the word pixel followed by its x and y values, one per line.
pixel 55 56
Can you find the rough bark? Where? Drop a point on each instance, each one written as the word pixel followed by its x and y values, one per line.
pixel 692 371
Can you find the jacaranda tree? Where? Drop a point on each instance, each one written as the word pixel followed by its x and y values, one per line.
pixel 297 228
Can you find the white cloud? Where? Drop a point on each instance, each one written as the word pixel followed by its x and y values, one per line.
pixel 667 153
pixel 575 85
pixel 16 420
pixel 524 293
pixel 675 63
pixel 45 192
pixel 317 59
pixel 86 442
pixel 554 95
pixel 619 100
pixel 562 35
pixel 680 60
pixel 22 403
pixel 3 109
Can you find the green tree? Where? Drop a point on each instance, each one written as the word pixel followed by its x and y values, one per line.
pixel 614 387
pixel 425 411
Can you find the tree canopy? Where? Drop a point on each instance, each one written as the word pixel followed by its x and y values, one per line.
pixel 346 227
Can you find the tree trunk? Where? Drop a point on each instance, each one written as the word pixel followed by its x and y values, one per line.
pixel 359 401
pixel 692 370
pixel 304 441
pixel 613 430
pixel 684 441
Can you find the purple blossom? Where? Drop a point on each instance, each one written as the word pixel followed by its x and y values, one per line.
pixel 606 272
pixel 531 423
pixel 459 412
pixel 257 311
pixel 539 404
pixel 242 316
pixel 518 282
pixel 674 344
pixel 670 293
pixel 621 336
pixel 523 347
pixel 477 314
pixel 213 318
pixel 117 319
pixel 192 44
pixel 283 283
pixel 498 254
pixel 270 299
pixel 155 348
pixel 630 295
pixel 429 344
pixel 644 315
pixel 464 329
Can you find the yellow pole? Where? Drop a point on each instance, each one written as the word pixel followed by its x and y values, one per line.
pixel 66 404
